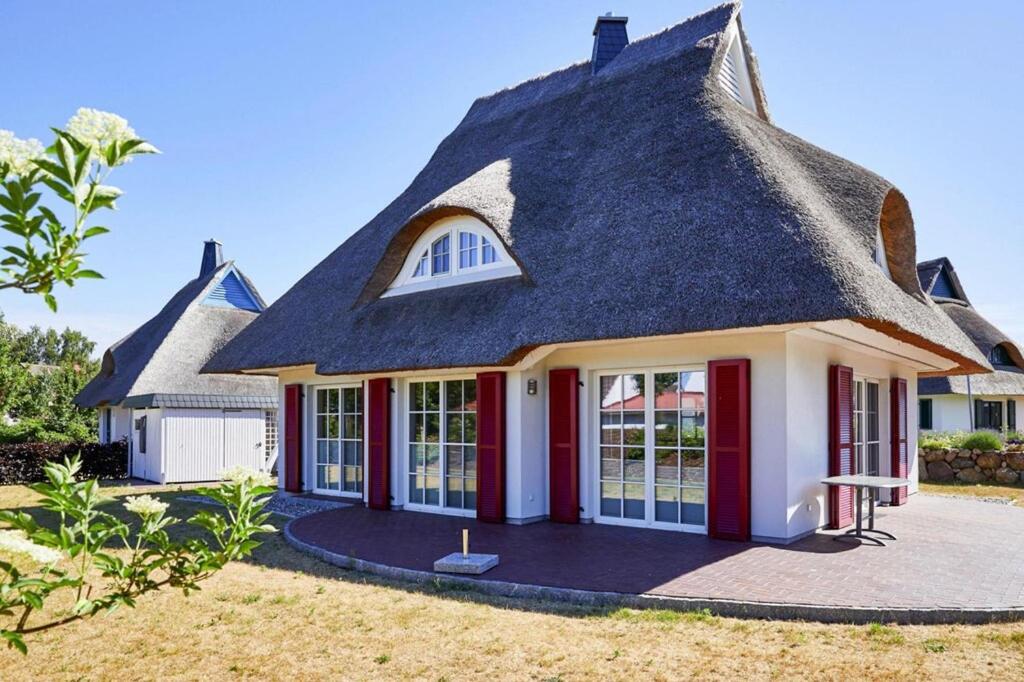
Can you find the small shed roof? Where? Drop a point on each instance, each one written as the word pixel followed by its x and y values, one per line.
pixel 165 354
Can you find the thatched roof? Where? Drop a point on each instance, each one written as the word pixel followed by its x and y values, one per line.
pixel 1007 379
pixel 639 201
pixel 165 354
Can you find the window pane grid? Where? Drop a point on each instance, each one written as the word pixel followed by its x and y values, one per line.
pixel 339 439
pixel 441 252
pixel 679 447
pixel 623 446
pixel 442 443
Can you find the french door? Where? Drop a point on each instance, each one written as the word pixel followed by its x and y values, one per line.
pixel 338 434
pixel 442 446
pixel 866 431
pixel 650 449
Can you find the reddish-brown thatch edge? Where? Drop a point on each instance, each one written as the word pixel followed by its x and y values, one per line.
pixel 964 365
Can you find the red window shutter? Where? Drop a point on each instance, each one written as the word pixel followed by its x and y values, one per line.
pixel 563 446
pixel 490 446
pixel 840 438
pixel 898 436
pixel 728 436
pixel 293 438
pixel 379 443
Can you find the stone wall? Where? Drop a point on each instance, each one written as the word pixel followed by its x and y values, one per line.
pixel 972 466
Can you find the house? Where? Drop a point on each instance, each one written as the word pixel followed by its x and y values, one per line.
pixel 617 293
pixel 966 403
pixel 182 425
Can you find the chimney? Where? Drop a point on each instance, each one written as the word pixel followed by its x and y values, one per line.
pixel 609 39
pixel 212 258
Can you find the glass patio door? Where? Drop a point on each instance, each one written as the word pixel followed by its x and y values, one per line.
pixel 338 433
pixel 867 435
pixel 442 445
pixel 650 449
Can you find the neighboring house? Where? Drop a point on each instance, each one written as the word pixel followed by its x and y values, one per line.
pixel 181 425
pixel 960 403
pixel 596 268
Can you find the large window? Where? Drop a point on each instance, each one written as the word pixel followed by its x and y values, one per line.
pixel 339 439
pixel 442 443
pixel 651 447
pixel 988 414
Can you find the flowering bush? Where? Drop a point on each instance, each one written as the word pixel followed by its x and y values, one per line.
pixel 75 168
pixel 78 554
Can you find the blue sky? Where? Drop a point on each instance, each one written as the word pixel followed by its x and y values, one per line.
pixel 286 126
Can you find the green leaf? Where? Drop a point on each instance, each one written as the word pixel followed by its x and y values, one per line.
pixel 94 232
pixel 17 252
pixel 51 302
pixel 15 641
pixel 88 274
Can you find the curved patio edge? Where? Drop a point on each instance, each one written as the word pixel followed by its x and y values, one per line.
pixel 719 607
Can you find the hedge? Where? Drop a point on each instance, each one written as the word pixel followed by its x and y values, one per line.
pixel 23 462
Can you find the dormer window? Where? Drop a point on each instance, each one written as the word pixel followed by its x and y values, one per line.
pixel 452 251
pixel 1000 356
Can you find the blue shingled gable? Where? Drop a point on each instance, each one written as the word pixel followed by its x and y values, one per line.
pixel 230 292
pixel 943 286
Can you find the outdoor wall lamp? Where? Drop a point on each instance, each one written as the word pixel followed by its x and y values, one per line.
pixel 531 387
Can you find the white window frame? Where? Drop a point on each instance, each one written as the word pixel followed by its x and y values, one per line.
pixel 312 411
pixel 406 282
pixel 405 442
pixel 649 449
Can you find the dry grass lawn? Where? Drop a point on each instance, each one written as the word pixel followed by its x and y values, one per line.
pixel 287 616
pixel 1010 492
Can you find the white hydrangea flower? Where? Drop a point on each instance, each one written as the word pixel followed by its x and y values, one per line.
pixel 145 505
pixel 241 474
pixel 99 129
pixel 16 542
pixel 18 154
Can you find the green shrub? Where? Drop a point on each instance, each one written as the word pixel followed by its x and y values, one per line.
pixel 933 440
pixel 30 430
pixel 983 440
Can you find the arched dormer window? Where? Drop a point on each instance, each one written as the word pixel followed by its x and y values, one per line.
pixel 452 251
pixel 999 355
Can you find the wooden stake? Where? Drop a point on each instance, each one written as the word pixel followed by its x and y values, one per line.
pixel 465 542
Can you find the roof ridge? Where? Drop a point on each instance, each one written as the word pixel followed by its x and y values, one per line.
pixel 212 276
pixel 639 43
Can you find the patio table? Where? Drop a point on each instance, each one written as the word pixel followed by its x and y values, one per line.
pixel 860 482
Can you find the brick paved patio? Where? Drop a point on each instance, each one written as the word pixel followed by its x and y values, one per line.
pixel 952 553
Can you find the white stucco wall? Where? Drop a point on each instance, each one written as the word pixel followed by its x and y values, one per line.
pixel 807 423
pixel 789 419
pixel 954 412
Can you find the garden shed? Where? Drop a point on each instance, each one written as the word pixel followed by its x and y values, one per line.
pixel 182 426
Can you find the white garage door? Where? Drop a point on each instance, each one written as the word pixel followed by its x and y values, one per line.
pixel 201 443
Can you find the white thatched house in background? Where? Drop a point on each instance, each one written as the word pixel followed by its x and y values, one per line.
pixel 182 425
pixel 981 401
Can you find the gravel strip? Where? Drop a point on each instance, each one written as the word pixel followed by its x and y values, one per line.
pixel 990 500
pixel 285 505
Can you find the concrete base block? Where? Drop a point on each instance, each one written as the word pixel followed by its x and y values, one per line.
pixel 472 564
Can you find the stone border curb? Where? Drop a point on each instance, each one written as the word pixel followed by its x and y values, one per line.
pixel 719 607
